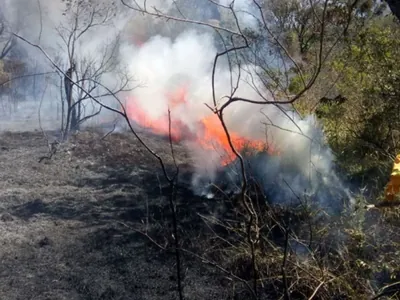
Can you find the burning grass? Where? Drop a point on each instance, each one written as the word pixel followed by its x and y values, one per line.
pixel 206 132
pixel 96 217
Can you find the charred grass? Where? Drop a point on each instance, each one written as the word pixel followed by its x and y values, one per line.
pixel 93 222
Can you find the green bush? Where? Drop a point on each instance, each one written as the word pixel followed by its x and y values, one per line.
pixel 365 130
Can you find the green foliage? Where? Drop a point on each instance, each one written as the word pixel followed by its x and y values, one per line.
pixel 365 131
pixel 297 84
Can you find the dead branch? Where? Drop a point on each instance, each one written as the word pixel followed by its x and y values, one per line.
pixel 144 234
pixel 10 41
pixel 158 14
pixel 286 291
pixel 108 133
pixel 53 146
pixel 316 290
pixel 388 290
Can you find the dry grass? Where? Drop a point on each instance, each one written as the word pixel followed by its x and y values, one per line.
pixel 60 222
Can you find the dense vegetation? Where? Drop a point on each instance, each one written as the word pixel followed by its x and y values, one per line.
pixel 356 96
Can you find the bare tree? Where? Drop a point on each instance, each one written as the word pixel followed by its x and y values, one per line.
pixel 87 70
pixel 6 40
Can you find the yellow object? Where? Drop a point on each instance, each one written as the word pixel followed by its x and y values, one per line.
pixel 393 187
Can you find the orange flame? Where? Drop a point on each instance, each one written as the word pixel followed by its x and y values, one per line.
pixel 209 135
pixel 214 137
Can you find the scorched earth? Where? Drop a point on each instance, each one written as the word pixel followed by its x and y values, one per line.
pixel 73 227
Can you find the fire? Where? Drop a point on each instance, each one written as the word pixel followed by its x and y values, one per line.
pixel 209 133
pixel 159 126
pixel 214 138
pixel 177 97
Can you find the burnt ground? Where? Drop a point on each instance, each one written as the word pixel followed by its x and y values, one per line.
pixel 72 227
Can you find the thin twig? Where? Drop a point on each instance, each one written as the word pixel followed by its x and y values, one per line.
pixel 108 133
pixel 384 291
pixel 286 291
pixel 316 290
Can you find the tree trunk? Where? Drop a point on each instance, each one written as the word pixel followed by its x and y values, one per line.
pixel 71 121
pixel 74 119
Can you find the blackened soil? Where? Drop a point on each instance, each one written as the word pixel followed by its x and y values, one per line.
pixel 93 222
